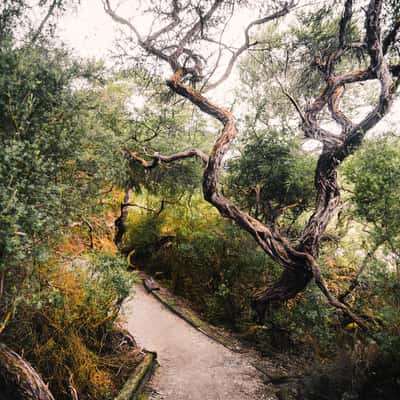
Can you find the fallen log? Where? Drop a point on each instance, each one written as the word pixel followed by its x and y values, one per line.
pixel 18 379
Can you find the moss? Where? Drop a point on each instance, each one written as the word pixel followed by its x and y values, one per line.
pixel 131 389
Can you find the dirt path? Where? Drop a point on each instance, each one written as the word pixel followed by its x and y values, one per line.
pixel 192 366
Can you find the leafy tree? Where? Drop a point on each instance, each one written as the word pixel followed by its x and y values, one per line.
pixel 285 183
pixel 179 44
pixel 56 158
pixel 374 176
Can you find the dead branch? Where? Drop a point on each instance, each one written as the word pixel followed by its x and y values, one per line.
pixel 158 158
pixel 18 379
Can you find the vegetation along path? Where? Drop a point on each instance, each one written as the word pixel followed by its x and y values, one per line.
pixel 192 366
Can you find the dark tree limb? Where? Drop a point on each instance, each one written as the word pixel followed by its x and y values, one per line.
pixel 155 212
pixel 39 30
pixel 121 220
pixel 18 379
pixel 91 232
pixel 298 263
pixel 158 158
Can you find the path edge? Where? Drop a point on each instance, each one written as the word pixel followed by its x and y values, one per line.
pixel 134 385
pixel 224 342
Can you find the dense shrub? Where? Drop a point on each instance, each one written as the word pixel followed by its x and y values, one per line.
pixel 66 328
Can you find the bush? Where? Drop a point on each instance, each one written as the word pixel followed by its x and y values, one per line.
pixel 67 329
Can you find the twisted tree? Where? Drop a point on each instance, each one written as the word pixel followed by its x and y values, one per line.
pixel 191 28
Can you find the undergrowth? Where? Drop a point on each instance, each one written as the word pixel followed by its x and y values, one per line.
pixel 68 329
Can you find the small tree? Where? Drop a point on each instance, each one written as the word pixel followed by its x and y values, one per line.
pixel 187 30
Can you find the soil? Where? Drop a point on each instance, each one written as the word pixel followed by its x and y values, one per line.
pixel 192 366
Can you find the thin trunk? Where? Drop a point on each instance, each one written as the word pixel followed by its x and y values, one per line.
pixel 121 220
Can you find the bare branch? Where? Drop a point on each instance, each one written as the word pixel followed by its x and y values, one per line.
pixel 176 20
pixel 391 36
pixel 145 44
pixel 293 101
pixel 197 27
pixel 44 22
pixel 247 44
pixel 347 14
pixel 120 20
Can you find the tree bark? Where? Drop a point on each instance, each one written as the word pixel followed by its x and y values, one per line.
pixel 19 380
pixel 121 220
pixel 297 260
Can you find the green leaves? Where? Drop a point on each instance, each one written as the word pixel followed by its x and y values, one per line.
pixel 274 166
pixel 375 174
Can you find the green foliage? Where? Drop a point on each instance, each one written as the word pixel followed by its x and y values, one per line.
pixel 374 175
pixel 57 156
pixel 316 37
pixel 275 166
pixel 66 327
pixel 207 258
pixel 319 32
pixel 110 279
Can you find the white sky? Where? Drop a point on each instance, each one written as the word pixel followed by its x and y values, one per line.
pixel 90 32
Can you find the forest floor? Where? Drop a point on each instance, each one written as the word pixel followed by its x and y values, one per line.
pixel 192 366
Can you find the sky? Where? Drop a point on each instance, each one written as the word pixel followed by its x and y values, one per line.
pixel 91 33
pixel 88 30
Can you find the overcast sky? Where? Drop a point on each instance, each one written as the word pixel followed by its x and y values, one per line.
pixel 90 32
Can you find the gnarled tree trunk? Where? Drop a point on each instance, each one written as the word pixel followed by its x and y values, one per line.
pixel 121 220
pixel 297 260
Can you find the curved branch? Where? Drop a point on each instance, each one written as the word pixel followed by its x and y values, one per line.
pixel 246 45
pixel 320 281
pixel 120 20
pixel 176 20
pixel 337 114
pixel 328 195
pixel 277 247
pixel 145 44
pixel 197 27
pixel 311 126
pixel 49 13
pixel 382 73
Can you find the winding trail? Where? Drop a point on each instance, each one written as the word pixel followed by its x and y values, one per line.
pixel 192 366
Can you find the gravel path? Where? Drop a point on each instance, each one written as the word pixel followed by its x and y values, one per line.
pixel 192 366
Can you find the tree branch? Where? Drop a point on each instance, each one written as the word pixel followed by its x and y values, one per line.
pixel 44 21
pixel 157 158
pixel 282 12
pixel 320 281
pixel 344 22
pixel 390 38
